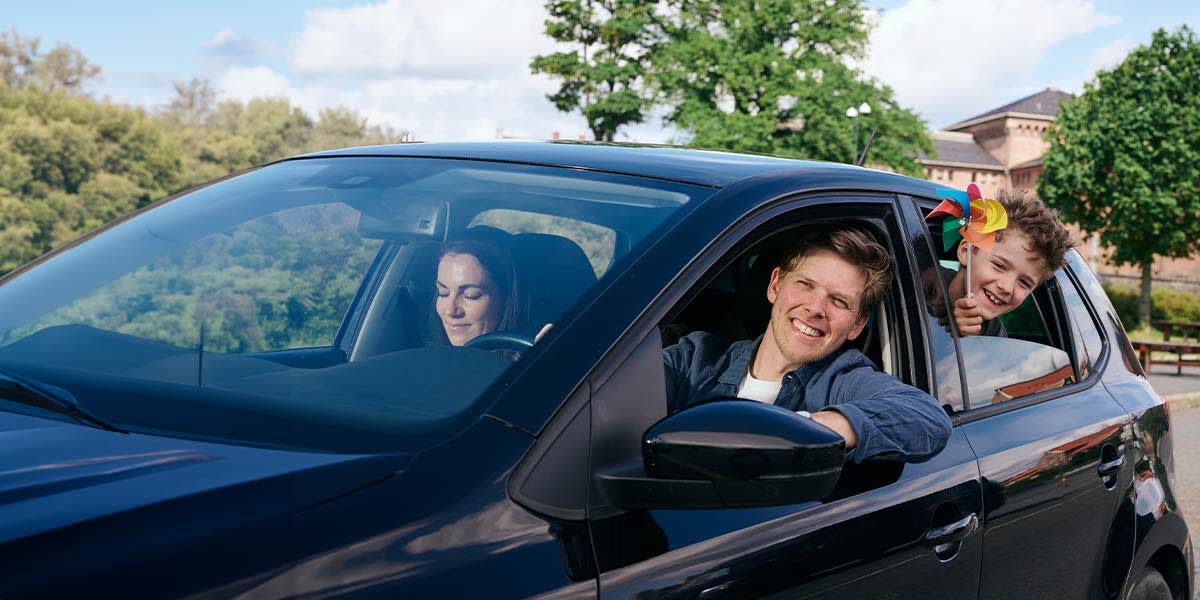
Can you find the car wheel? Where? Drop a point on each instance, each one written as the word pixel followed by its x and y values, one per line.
pixel 1150 586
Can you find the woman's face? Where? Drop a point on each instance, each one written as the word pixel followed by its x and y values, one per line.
pixel 467 299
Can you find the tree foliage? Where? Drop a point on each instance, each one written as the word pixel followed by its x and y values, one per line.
pixel 22 63
pixel 774 76
pixel 602 74
pixel 1123 160
pixel 771 76
pixel 70 163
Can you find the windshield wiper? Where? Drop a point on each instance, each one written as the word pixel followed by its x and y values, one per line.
pixel 48 397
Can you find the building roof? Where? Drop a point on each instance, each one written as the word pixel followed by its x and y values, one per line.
pixel 1037 162
pixel 1044 103
pixel 960 148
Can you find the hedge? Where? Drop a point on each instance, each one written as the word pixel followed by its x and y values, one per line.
pixel 1165 305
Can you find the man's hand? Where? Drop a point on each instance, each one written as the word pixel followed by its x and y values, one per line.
pixel 840 424
pixel 967 316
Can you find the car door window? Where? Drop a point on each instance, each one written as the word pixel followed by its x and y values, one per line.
pixel 1029 354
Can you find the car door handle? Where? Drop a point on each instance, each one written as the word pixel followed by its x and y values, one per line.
pixel 952 532
pixel 1110 468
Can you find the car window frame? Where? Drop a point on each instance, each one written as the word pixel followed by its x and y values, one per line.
pixel 1067 336
pixel 1099 362
pixel 702 268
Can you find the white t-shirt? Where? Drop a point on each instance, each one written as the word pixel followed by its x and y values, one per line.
pixel 762 391
pixel 758 389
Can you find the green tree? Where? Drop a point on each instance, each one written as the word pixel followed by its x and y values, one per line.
pixel 1123 160
pixel 341 127
pixel 193 104
pixel 602 74
pixel 21 64
pixel 775 76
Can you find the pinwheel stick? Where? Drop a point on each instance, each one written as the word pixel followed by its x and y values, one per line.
pixel 970 292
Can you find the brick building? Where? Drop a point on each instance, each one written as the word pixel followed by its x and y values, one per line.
pixel 1002 147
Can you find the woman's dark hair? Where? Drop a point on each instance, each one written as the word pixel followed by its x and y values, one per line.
pixel 498 262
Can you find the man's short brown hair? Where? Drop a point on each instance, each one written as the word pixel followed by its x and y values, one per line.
pixel 1040 223
pixel 856 245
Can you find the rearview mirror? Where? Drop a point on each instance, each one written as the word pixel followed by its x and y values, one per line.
pixel 730 453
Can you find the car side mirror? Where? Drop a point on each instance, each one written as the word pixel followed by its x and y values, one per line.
pixel 730 453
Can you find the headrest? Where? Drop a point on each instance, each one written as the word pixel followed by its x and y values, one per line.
pixel 553 271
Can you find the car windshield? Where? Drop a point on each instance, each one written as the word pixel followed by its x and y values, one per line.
pixel 333 304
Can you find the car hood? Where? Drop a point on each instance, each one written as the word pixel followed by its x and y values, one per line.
pixel 55 475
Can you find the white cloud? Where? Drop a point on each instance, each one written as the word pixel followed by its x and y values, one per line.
pixel 441 70
pixel 244 83
pixel 433 109
pixel 943 56
pixel 421 37
pixel 1110 55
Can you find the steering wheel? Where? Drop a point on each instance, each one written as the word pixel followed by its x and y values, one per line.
pixel 502 340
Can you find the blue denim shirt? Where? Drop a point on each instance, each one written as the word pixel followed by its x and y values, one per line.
pixel 892 420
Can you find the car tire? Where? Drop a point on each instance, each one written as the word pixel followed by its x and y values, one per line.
pixel 1150 586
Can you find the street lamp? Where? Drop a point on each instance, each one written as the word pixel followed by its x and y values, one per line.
pixel 854 113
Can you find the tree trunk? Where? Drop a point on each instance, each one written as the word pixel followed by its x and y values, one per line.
pixel 1144 300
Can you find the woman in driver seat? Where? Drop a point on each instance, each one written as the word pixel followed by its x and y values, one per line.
pixel 478 291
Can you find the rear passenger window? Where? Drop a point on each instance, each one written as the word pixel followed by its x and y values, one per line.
pixel 1032 349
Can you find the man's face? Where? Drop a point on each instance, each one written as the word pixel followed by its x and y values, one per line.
pixel 814 310
pixel 1002 278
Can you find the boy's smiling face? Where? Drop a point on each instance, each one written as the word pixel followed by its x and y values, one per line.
pixel 1002 278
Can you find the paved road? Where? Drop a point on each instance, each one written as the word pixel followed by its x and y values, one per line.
pixel 1165 379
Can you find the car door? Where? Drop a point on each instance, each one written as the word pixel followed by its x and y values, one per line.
pixel 1051 443
pixel 889 529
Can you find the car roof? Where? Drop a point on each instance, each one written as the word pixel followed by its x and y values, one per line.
pixel 699 167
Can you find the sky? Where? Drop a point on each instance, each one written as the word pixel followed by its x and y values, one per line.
pixel 459 69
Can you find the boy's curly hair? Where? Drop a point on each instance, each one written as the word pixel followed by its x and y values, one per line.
pixel 1039 223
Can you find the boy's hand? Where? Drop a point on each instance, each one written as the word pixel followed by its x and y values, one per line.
pixel 966 315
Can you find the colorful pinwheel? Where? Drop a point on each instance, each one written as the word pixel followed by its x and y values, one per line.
pixel 972 218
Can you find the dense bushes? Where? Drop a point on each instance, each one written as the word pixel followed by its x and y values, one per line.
pixel 1165 305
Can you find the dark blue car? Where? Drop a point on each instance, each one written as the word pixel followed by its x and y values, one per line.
pixel 261 388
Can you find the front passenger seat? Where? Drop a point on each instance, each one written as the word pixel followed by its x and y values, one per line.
pixel 553 271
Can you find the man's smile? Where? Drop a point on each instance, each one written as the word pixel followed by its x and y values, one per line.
pixel 806 330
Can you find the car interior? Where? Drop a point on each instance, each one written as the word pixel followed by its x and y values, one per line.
pixel 733 304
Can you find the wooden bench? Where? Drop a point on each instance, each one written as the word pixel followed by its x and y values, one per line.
pixel 1186 330
pixel 1147 348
